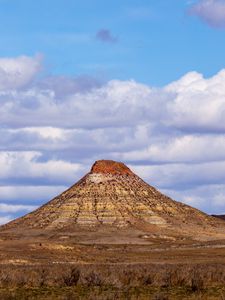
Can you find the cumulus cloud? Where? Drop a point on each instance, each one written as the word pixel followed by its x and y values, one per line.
pixel 106 36
pixel 185 148
pixel 193 103
pixel 17 72
pixel 173 137
pixel 36 107
pixel 62 85
pixel 199 103
pixel 210 11
pixel 182 176
pixel 26 167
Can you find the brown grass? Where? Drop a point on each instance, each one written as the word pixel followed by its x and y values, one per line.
pixel 195 278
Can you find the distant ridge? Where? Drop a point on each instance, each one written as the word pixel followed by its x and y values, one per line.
pixel 222 217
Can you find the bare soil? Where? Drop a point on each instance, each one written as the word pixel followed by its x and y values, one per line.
pixel 79 265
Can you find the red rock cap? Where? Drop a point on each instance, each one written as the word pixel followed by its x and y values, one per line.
pixel 110 167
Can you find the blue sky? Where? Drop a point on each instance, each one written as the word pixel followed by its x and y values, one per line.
pixel 158 41
pixel 137 81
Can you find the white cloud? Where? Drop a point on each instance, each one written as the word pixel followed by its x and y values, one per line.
pixel 45 132
pixel 19 71
pixel 185 148
pixel 182 176
pixel 36 107
pixel 12 208
pixel 192 103
pixel 199 103
pixel 26 165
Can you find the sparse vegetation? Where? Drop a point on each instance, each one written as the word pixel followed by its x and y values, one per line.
pixel 110 293
pixel 195 278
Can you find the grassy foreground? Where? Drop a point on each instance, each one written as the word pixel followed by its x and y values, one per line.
pixel 111 293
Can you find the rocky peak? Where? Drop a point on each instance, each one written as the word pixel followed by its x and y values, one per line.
pixel 110 167
pixel 112 196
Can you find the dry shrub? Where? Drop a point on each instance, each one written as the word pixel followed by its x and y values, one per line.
pixel 72 278
pixel 195 277
pixel 93 279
